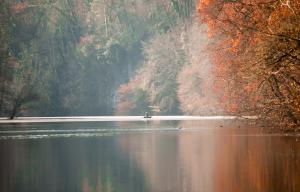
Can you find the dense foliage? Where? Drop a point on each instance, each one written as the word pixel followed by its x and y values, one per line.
pixel 100 57
pixel 69 57
pixel 256 64
pixel 175 76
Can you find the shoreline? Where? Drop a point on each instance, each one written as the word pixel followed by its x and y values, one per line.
pixel 4 120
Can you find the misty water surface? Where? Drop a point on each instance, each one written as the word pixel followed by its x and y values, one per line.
pixel 158 156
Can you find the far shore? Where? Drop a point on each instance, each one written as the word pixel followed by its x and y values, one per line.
pixel 4 120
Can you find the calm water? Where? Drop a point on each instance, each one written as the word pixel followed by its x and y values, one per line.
pixel 166 156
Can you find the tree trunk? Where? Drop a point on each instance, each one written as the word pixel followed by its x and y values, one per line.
pixel 15 110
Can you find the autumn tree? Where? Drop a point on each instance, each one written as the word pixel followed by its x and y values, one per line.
pixel 164 58
pixel 195 79
pixel 17 71
pixel 255 51
pixel 132 99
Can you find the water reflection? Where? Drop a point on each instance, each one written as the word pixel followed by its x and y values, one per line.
pixel 186 156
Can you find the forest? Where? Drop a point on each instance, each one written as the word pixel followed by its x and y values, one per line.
pixel 172 57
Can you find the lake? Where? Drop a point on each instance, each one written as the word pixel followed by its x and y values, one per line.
pixel 147 156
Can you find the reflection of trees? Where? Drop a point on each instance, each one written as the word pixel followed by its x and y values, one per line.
pixel 196 156
pixel 256 164
pixel 156 155
pixel 214 159
pixel 209 160
pixel 68 164
pixel 172 161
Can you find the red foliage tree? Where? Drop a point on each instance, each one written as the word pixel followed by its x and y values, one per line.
pixel 255 48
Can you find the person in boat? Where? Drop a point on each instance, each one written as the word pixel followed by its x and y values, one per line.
pixel 147 115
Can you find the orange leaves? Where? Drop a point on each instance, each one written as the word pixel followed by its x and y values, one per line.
pixel 235 43
pixel 19 7
pixel 233 107
pixel 123 107
pixel 249 87
pixel 130 86
pixel 230 26
pixel 285 18
pixel 128 96
pixel 254 39
pixel 85 40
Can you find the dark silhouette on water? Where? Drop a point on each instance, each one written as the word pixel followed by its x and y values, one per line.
pixel 147 115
